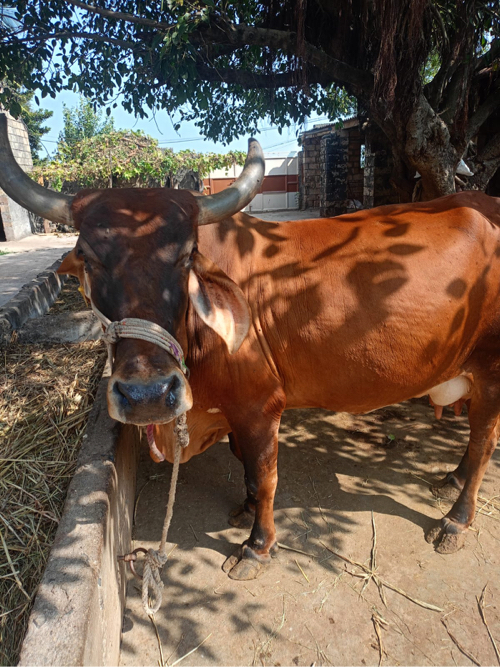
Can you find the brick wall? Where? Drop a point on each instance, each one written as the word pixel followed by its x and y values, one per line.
pixel 15 219
pixel 335 173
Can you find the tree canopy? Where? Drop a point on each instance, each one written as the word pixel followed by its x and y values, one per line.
pixel 426 72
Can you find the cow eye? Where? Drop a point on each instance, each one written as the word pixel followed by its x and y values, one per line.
pixel 191 256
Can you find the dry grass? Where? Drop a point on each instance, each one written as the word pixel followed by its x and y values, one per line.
pixel 46 394
pixel 70 299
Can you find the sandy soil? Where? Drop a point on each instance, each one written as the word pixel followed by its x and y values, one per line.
pixel 335 470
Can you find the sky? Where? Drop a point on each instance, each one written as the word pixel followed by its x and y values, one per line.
pixel 188 135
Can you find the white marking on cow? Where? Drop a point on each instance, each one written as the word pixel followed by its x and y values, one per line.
pixel 213 410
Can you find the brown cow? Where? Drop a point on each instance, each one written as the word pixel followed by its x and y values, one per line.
pixel 350 313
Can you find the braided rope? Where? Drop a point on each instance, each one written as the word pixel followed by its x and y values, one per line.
pixel 156 559
pixel 134 327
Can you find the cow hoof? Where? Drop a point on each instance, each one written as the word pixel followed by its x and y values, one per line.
pixel 244 564
pixel 232 560
pixel 246 569
pixel 446 536
pixel 241 518
pixel 448 488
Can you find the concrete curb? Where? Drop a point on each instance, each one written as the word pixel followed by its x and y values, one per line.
pixel 33 300
pixel 77 615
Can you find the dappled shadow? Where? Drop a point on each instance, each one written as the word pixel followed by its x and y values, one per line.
pixel 332 470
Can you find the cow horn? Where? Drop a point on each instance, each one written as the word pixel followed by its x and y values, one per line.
pixel 23 190
pixel 231 200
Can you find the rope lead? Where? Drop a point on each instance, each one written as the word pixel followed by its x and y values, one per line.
pixel 155 559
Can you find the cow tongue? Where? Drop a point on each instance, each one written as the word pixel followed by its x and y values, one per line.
pixel 154 452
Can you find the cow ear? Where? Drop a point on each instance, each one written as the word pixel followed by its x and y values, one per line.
pixel 219 302
pixel 71 265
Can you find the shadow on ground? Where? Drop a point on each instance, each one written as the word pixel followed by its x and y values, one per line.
pixel 310 606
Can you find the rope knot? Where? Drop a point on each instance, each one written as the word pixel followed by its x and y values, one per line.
pixel 151 580
pixel 110 334
pixel 181 430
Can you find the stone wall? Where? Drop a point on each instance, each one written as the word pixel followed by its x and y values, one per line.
pixel 331 175
pixel 334 175
pixel 312 168
pixel 380 152
pixel 15 221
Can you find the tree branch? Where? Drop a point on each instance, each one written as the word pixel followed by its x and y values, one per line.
pixel 243 35
pixel 486 163
pixel 454 93
pixel 492 149
pixel 81 35
pixel 435 90
pixel 487 58
pixel 439 20
pixel 121 16
pixel 253 79
pixel 491 104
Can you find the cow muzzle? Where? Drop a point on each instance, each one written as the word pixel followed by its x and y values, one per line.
pixel 150 399
pixel 155 401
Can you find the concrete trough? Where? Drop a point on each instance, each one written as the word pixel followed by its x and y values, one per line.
pixel 77 615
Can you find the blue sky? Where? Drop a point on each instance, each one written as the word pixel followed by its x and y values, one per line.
pixel 188 135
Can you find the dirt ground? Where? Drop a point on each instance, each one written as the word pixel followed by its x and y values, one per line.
pixel 313 608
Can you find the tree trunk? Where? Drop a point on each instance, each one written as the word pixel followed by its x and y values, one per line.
pixel 423 143
pixel 485 164
pixel 428 149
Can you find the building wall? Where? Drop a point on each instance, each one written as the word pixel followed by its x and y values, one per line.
pixel 332 177
pixel 312 169
pixel 279 190
pixel 330 154
pixel 15 218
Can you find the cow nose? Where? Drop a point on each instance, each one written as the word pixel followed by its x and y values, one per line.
pixel 131 395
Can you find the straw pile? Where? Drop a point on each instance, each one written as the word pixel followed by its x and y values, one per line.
pixel 46 394
pixel 70 299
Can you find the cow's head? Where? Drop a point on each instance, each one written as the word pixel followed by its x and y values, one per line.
pixel 137 256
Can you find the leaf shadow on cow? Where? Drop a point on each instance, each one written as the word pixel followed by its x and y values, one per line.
pixel 436 319
pixel 348 314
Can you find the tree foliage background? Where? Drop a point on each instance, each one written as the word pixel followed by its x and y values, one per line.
pixel 83 122
pixel 91 153
pixel 121 158
pixel 426 72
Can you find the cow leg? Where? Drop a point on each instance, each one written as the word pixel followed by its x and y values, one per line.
pixel 484 421
pixel 242 516
pixel 258 445
pixel 453 483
